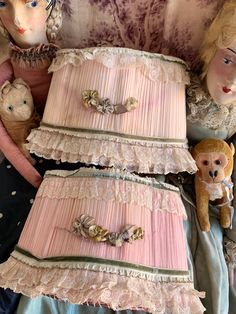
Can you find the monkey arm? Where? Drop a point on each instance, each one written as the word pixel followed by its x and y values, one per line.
pixel 202 200
pixel 225 208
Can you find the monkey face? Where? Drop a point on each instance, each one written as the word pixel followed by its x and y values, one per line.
pixel 211 166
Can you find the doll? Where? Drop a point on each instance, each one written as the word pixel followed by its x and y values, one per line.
pixel 211 100
pixel 31 53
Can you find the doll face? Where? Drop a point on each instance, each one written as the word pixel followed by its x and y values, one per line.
pixel 25 20
pixel 221 75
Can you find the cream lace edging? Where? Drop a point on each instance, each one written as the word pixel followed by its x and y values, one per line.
pixel 141 156
pixel 230 257
pixel 110 189
pixel 157 67
pixel 117 292
pixel 202 109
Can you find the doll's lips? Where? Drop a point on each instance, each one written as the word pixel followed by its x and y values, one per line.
pixel 21 30
pixel 226 89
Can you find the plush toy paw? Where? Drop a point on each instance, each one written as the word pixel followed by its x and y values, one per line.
pixel 225 217
pixel 204 224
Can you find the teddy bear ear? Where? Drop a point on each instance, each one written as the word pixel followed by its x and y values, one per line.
pixel 5 88
pixel 232 148
pixel 18 83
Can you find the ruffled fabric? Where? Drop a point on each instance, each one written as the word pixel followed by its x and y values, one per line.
pixel 39 57
pixel 157 67
pixel 103 185
pixel 117 292
pixel 142 156
pixel 230 257
pixel 203 110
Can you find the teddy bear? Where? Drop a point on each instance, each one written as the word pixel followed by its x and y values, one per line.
pixel 17 113
pixel 214 159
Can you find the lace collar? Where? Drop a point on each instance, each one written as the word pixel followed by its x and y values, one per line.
pixel 202 109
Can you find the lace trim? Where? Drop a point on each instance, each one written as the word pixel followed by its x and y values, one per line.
pixel 230 257
pixel 157 67
pixel 203 110
pixel 35 57
pixel 117 292
pixel 102 265
pixel 111 174
pixel 137 155
pixel 111 189
pixel 230 252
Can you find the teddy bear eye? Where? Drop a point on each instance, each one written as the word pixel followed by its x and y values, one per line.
pixel 205 162
pixel 217 162
pixel 24 102
pixel 10 108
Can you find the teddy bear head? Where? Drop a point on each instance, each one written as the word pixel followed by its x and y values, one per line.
pixel 16 101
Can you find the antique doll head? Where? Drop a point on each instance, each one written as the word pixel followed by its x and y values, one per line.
pixel 219 56
pixel 30 22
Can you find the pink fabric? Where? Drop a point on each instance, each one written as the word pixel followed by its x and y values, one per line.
pixel 47 230
pixel 161 104
pixel 18 160
pixel 6 71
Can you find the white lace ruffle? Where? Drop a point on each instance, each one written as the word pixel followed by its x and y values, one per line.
pixel 115 189
pixel 230 257
pixel 117 292
pixel 160 157
pixel 157 67
pixel 202 109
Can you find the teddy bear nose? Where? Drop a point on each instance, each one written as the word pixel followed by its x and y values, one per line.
pixel 213 174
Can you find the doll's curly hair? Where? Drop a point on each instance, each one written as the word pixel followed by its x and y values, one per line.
pixel 220 34
pixel 53 23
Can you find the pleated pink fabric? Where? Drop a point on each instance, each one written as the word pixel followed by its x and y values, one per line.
pixel 136 140
pixel 149 273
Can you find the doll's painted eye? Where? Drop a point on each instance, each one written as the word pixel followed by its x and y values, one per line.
pixel 227 61
pixel 217 162
pixel 32 4
pixel 2 4
pixel 205 162
pixel 10 108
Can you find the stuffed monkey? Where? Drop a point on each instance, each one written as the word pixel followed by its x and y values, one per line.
pixel 214 159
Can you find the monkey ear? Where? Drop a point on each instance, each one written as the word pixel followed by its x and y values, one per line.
pixel 232 148
pixel 5 88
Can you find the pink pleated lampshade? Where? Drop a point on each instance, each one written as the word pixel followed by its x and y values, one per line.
pixel 116 107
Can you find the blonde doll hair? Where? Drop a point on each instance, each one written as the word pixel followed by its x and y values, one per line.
pixel 53 23
pixel 220 34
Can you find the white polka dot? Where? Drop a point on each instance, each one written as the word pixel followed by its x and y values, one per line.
pixel 58 162
pixel 40 161
pixel 31 201
pixel 8 166
pixel 19 222
pixel 1 215
pixel 13 193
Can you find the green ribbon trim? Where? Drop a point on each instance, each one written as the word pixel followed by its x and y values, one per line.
pixel 107 262
pixel 123 135
pixel 118 176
